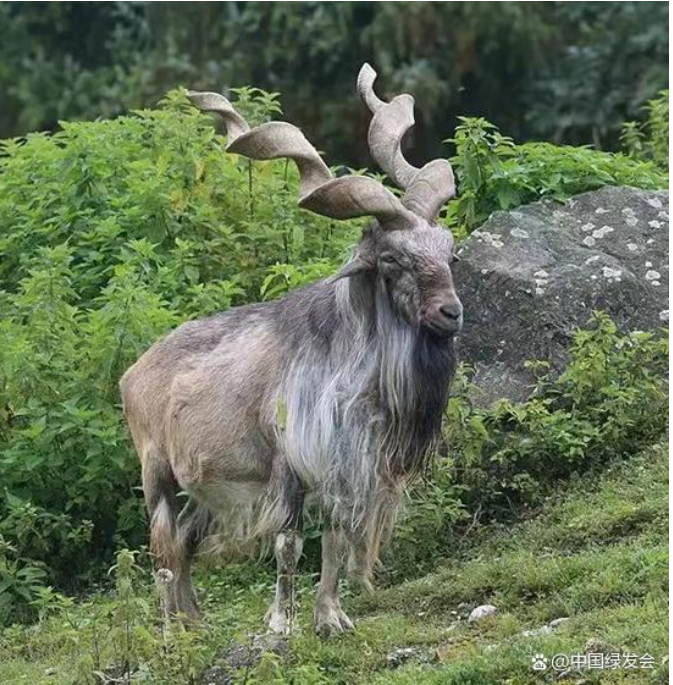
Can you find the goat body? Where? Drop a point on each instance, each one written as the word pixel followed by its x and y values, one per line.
pixel 325 392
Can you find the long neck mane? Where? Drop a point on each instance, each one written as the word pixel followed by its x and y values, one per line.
pixel 410 374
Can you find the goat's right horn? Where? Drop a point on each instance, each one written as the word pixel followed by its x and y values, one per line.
pixel 428 188
pixel 339 198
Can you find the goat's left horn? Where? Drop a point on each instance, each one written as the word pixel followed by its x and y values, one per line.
pixel 428 188
pixel 339 198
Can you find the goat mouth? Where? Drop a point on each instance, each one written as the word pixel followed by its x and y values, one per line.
pixel 441 331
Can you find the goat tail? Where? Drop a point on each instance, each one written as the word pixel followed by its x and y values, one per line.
pixel 163 544
pixel 160 488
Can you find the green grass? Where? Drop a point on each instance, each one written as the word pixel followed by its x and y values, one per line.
pixel 596 553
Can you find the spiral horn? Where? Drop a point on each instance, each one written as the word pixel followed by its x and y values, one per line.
pixel 339 198
pixel 426 189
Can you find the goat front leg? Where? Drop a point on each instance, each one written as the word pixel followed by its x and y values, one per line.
pixel 282 612
pixel 329 618
pixel 361 559
pixel 289 545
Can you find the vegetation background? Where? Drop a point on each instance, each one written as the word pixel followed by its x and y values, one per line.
pixel 568 72
pixel 117 225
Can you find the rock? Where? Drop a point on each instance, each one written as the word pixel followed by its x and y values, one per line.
pixel 217 675
pixel 50 671
pixel 402 655
pixel 481 612
pixel 596 646
pixel 535 632
pixel 529 277
pixel 271 643
pixel 546 629
pixel 558 622
pixel 239 655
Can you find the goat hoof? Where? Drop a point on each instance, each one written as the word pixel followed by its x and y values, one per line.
pixel 331 621
pixel 278 623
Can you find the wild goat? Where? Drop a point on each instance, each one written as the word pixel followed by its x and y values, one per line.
pixel 331 396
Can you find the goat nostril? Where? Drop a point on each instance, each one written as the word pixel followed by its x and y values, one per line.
pixel 450 311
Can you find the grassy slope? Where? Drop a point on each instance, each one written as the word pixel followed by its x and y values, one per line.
pixel 597 554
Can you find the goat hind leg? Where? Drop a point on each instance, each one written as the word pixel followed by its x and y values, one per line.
pixel 191 526
pixel 174 535
pixel 160 490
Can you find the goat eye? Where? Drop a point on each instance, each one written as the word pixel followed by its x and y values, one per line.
pixel 388 258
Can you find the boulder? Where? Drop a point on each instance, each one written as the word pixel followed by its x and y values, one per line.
pixel 529 277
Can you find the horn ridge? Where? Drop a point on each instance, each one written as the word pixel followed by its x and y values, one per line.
pixel 278 139
pixel 214 102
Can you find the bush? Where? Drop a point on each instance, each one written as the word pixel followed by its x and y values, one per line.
pixel 648 140
pixel 496 174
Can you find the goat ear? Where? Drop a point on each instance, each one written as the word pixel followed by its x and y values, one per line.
pixel 354 267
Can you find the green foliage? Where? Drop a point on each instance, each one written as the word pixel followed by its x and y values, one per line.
pixel 648 140
pixel 607 65
pixel 610 401
pixel 496 174
pixel 31 536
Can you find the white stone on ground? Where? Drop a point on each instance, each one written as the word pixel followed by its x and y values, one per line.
pixel 481 612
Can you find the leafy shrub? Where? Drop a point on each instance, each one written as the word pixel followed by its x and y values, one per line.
pixel 121 637
pixel 648 140
pixel 496 174
pixel 610 402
